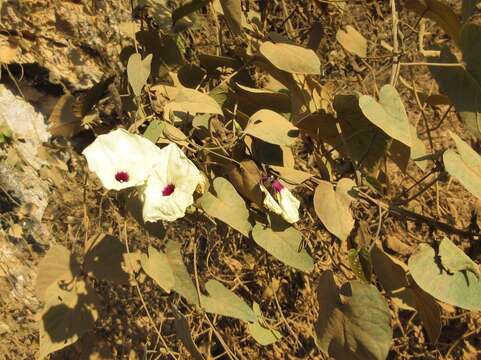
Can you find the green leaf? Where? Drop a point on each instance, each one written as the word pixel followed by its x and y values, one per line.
pixel 157 266
pixel 284 246
pixel 227 205
pixel 354 321
pixel 138 71
pixel 263 335
pixel 461 288
pixel 188 8
pixel 455 260
pixel 183 283
pixel 291 58
pixel 5 132
pixel 333 207
pixel 464 165
pixel 155 130
pixel 69 312
pixel 58 265
pixel 104 257
pixel 272 128
pixel 223 301
pixel 388 114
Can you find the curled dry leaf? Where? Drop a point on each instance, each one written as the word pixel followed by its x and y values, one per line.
pixel 62 120
pixel 333 207
pixel 352 41
pixel 291 58
pixel 246 179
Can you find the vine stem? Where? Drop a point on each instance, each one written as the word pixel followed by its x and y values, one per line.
pixel 139 292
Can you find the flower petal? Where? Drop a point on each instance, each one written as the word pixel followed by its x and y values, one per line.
pixel 119 151
pixel 289 204
pixel 269 202
pixel 175 169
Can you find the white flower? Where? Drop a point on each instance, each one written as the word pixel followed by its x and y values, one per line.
pixel 283 203
pixel 121 159
pixel 170 187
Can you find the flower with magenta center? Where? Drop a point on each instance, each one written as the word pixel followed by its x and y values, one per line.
pixel 121 159
pixel 281 201
pixel 169 189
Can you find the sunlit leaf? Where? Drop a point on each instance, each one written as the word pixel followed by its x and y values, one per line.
pixel 69 312
pixel 333 207
pixel 291 58
pixel 190 101
pixel 352 41
pixel 183 283
pixel 58 265
pixel 454 260
pixel 223 301
pixel 284 246
pixel 138 71
pixel 464 165
pixel 271 127
pixel 157 266
pixel 227 205
pixel 263 335
pixel 388 114
pixel 354 321
pixel 461 288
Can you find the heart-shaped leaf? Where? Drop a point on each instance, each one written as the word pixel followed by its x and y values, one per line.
pixel 464 165
pixel 223 301
pixel 227 205
pixel 354 321
pixel 262 334
pixel 459 288
pixel 58 265
pixel 69 312
pixel 352 41
pixel 157 266
pixel 388 114
pixel 291 58
pixel 333 207
pixel 283 245
pixel 272 128
pixel 138 71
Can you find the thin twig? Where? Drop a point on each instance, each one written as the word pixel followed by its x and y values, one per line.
pixel 139 292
